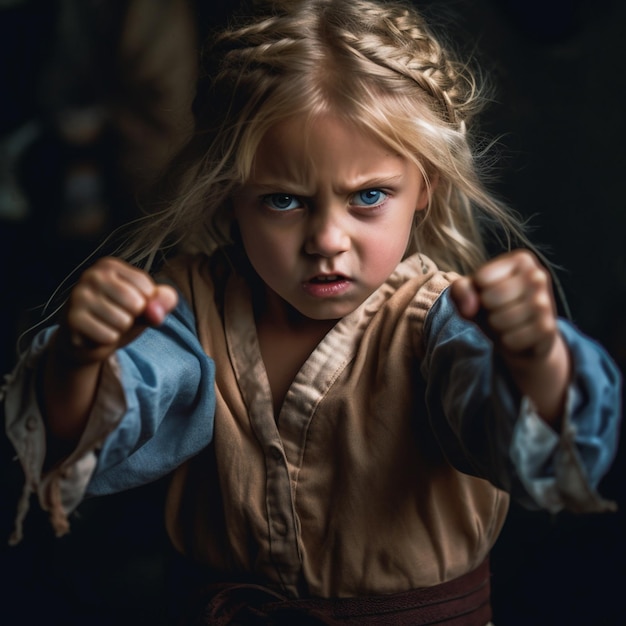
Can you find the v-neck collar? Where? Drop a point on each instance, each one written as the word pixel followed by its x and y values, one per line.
pixel 315 377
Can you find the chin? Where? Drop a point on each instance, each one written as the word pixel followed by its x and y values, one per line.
pixel 327 314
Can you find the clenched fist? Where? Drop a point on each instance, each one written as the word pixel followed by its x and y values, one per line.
pixel 111 304
pixel 511 300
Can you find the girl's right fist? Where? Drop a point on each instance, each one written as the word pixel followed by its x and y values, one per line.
pixel 112 303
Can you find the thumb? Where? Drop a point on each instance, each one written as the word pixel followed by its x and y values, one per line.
pixel 160 304
pixel 465 297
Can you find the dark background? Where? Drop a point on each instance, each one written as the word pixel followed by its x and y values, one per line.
pixel 558 69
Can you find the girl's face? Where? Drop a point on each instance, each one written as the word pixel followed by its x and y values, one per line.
pixel 326 215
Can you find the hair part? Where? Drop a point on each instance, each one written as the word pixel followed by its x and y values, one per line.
pixel 375 64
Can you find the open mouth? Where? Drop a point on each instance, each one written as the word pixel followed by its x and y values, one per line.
pixel 330 278
pixel 327 285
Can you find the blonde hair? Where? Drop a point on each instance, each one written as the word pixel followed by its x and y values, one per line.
pixel 374 64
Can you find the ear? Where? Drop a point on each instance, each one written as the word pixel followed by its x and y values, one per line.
pixel 429 184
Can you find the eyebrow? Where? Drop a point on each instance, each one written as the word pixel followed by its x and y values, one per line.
pixel 377 180
pixel 297 189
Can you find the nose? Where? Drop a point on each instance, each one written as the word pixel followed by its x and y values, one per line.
pixel 327 234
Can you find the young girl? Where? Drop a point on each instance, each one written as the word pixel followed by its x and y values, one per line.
pixel 344 415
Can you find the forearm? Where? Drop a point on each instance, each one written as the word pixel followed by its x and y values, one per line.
pixel 476 414
pixel 110 306
pixel 545 381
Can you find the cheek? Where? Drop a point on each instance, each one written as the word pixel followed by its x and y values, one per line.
pixel 267 250
pixel 384 261
pixel 387 246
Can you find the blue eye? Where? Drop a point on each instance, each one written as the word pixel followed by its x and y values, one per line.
pixel 369 197
pixel 281 201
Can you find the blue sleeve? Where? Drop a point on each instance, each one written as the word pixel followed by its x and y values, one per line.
pixel 154 409
pixel 168 386
pixel 487 429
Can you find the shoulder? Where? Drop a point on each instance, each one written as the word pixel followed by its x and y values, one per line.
pixel 199 278
pixel 183 271
pixel 421 280
pixel 404 302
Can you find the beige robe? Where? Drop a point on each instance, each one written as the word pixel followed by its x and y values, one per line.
pixel 347 492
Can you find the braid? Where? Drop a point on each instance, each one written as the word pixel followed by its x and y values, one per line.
pixel 375 64
pixel 399 39
pixel 391 35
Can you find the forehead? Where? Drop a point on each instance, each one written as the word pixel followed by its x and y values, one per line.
pixel 301 148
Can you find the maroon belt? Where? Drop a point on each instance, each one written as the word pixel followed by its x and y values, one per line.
pixel 463 601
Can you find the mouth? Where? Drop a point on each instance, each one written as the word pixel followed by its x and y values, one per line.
pixel 328 285
pixel 327 278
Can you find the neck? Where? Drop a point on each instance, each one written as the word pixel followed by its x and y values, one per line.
pixel 286 340
pixel 271 311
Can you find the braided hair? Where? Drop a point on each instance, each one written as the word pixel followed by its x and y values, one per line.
pixel 374 64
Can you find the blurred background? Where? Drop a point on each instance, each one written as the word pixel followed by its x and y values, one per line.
pixel 94 99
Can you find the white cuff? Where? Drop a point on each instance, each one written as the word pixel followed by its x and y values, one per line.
pixel 62 488
pixel 549 465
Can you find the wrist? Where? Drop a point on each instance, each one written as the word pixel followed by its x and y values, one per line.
pixel 544 380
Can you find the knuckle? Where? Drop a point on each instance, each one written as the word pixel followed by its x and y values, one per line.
pixel 106 336
pixel 135 305
pixel 543 303
pixel 126 320
pixel 547 325
pixel 107 263
pixel 539 277
pixel 103 270
pixel 94 277
pixel 527 258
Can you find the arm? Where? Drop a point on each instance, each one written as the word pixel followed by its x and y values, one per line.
pixel 488 427
pixel 109 307
pixel 152 409
pixel 511 300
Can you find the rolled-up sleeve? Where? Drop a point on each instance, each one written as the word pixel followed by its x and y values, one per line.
pixel 486 428
pixel 154 409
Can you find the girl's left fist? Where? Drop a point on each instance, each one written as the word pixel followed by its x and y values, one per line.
pixel 511 299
